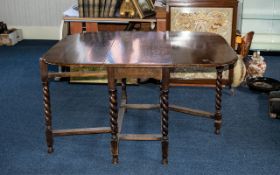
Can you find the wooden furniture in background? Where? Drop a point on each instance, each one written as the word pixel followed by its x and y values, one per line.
pixel 161 18
pixel 244 46
pixel 79 25
pixel 136 55
pixel 94 24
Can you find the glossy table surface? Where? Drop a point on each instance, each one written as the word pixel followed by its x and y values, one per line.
pixel 142 49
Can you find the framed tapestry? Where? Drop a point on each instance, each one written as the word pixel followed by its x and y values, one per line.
pixel 202 19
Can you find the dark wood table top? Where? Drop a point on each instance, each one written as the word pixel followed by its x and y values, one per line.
pixel 142 49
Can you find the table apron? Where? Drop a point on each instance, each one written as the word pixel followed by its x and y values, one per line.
pixel 136 72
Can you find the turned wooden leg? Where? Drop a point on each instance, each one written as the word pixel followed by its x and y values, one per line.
pixel 47 105
pixel 164 115
pixel 48 118
pixel 218 100
pixel 114 124
pixel 124 93
pixel 113 116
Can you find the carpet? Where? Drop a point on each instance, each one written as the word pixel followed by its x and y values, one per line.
pixel 249 142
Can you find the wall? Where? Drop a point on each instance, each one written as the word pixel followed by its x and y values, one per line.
pixel 239 14
pixel 263 17
pixel 39 19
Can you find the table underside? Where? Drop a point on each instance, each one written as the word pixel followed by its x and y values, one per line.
pixel 117 114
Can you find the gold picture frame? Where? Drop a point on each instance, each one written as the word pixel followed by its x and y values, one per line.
pixel 144 8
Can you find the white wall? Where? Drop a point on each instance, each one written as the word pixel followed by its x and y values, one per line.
pixel 263 17
pixel 239 14
pixel 39 19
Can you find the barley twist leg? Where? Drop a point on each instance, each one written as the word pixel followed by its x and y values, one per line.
pixel 164 125
pixel 218 101
pixel 114 124
pixel 48 118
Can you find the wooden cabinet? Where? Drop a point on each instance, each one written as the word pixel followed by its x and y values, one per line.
pixel 88 24
pixel 161 18
pixel 78 25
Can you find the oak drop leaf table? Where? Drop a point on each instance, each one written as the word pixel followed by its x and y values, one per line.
pixel 135 55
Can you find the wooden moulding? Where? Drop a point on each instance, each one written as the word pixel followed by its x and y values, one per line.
pixel 107 20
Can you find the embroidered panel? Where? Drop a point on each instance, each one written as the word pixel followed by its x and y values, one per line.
pixel 201 19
